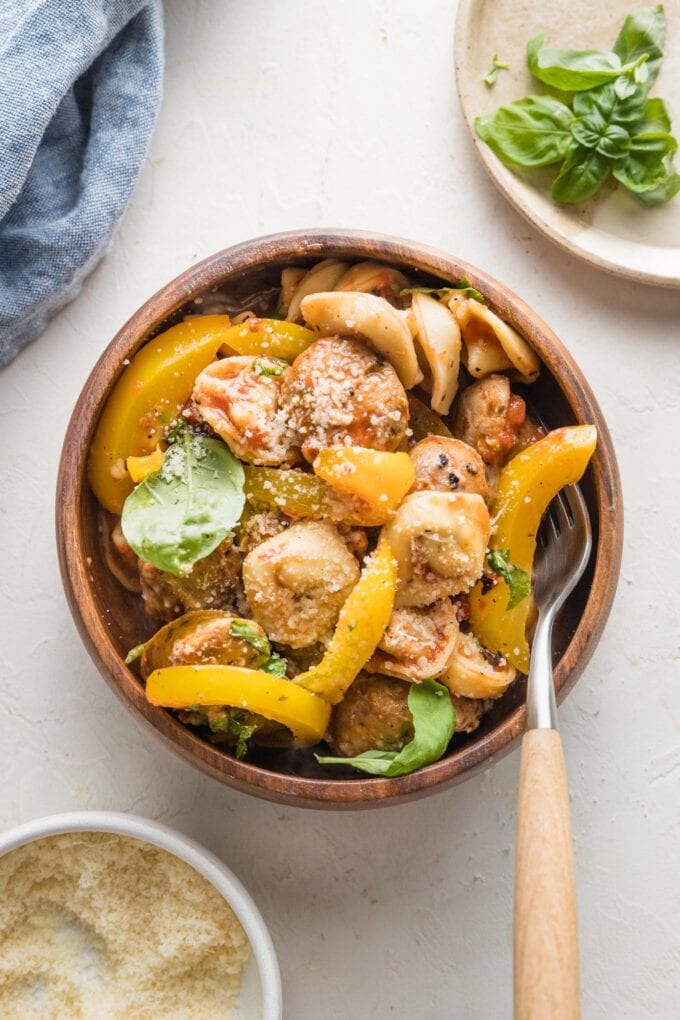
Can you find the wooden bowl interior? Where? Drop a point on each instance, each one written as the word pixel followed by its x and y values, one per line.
pixel 112 620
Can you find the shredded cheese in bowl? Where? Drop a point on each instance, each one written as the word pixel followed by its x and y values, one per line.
pixel 97 925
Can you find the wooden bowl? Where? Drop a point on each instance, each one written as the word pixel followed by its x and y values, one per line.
pixel 110 624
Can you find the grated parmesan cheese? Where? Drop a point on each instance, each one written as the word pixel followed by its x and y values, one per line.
pixel 94 925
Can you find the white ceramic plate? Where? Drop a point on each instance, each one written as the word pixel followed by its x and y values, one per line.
pixel 260 997
pixel 612 231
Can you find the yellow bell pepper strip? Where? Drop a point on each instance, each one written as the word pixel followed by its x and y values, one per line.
pixel 140 467
pixel 148 396
pixel 273 337
pixel 424 422
pixel 380 479
pixel 299 494
pixel 274 697
pixel 528 483
pixel 360 626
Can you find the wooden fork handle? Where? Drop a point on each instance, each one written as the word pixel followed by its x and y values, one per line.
pixel 546 967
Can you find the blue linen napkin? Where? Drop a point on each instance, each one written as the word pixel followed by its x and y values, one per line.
pixel 80 85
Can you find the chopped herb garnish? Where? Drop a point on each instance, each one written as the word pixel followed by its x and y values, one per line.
pixel 246 631
pixel 176 430
pixel 275 664
pixel 517 579
pixel 272 366
pixel 232 723
pixel 135 653
pixel 463 286
pixel 496 66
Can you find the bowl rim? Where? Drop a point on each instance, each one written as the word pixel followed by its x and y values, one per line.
pixel 186 849
pixel 286 248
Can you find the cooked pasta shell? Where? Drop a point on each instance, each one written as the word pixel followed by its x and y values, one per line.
pixel 351 313
pixel 471 675
pixel 323 276
pixel 491 345
pixel 438 335
pixel 291 278
pixel 373 278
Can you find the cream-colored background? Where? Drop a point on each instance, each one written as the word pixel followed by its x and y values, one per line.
pixel 323 114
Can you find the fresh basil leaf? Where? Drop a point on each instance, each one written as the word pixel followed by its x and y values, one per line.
pixel 593 132
pixel 583 172
pixel 649 171
pixel 180 514
pixel 275 664
pixel 641 72
pixel 643 32
pixel 434 722
pixel 135 653
pixel 534 131
pixel 605 103
pixel 571 70
pixel 614 143
pixel 517 579
pixel 667 190
pixel 646 167
pixel 246 631
pixel 463 286
pixel 625 86
pixel 496 66
pixel 656 118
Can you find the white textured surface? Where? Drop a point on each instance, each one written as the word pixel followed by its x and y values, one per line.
pixel 321 114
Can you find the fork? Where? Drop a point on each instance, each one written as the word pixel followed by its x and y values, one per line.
pixel 546 962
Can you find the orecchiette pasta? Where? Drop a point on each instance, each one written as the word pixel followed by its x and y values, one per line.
pixel 438 335
pixel 321 277
pixel 439 540
pixel 472 674
pixel 297 582
pixel 364 315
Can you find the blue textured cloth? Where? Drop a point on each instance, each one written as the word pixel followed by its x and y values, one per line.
pixel 80 84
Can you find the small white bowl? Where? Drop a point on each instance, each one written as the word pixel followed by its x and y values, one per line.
pixel 260 997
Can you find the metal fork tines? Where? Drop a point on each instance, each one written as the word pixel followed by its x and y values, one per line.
pixel 562 554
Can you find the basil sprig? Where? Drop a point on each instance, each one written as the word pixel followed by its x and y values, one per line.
pixel 434 723
pixel 517 579
pixel 608 128
pixel 463 287
pixel 180 514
